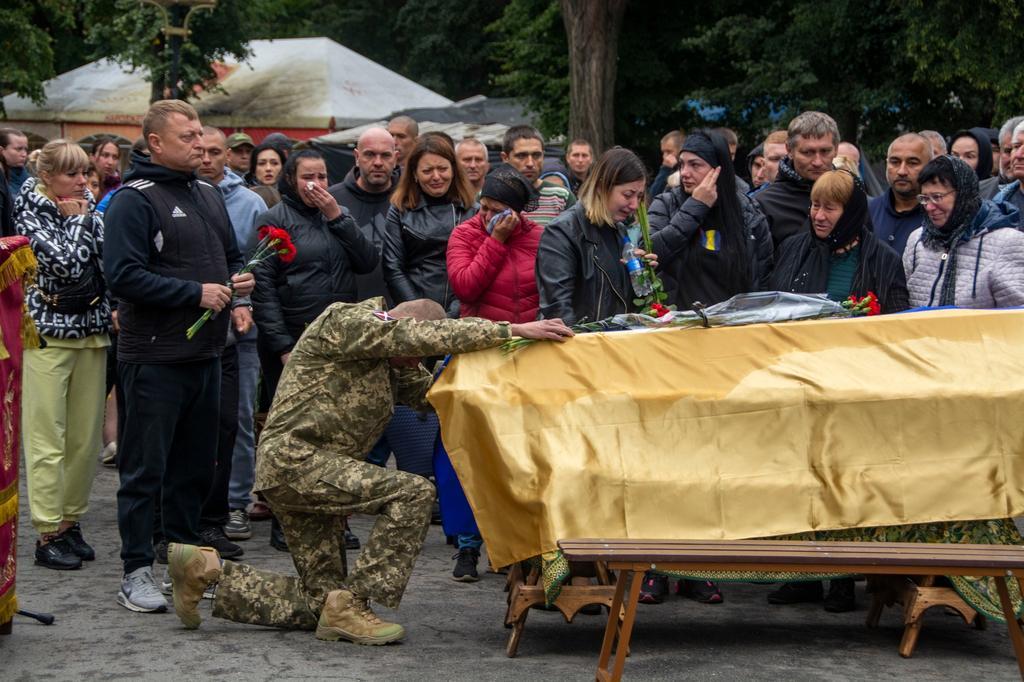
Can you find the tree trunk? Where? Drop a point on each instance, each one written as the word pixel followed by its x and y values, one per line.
pixel 592 28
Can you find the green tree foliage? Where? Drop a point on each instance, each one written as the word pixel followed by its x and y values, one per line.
pixel 952 45
pixel 531 48
pixel 27 42
pixel 130 33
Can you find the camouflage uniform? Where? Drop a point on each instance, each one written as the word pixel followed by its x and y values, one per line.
pixel 336 395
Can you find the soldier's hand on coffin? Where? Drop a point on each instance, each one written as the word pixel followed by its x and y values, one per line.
pixel 545 330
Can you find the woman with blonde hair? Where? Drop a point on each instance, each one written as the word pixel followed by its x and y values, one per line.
pixel 579 270
pixel 64 381
pixel 433 197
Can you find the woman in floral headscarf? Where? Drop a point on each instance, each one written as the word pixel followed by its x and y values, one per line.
pixel 969 252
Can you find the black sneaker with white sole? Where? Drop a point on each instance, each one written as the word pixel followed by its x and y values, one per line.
pixel 213 536
pixel 465 565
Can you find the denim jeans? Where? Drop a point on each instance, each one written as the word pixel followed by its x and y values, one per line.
pixel 470 541
pixel 243 460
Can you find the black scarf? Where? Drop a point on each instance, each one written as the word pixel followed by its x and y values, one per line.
pixel 959 226
pixel 788 174
pixel 808 271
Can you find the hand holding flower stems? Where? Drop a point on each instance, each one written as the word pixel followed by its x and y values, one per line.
pixel 653 302
pixel 273 242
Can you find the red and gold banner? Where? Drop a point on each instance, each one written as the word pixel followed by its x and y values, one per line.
pixel 16 264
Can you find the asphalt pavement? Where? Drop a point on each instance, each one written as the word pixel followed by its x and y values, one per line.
pixel 456 632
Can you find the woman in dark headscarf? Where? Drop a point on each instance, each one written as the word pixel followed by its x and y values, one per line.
pixel 969 252
pixel 840 254
pixel 712 241
pixel 973 147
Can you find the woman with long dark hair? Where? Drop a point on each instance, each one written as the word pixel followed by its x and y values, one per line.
pixel 265 165
pixel 105 156
pixel 331 250
pixel 712 241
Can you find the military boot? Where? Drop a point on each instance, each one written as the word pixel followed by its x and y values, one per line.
pixel 346 616
pixel 192 569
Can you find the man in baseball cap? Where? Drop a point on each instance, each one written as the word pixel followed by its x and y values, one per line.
pixel 238 150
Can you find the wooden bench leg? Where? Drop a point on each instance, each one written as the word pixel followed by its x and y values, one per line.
pixel 623 630
pixel 1016 636
pixel 913 617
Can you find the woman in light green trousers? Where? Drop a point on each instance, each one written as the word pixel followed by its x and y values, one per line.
pixel 64 380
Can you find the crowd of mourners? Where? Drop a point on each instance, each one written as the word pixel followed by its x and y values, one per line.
pixel 127 262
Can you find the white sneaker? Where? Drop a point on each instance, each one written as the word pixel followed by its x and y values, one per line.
pixel 140 592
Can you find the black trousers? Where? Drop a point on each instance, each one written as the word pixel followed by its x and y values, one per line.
pixel 215 508
pixel 167 451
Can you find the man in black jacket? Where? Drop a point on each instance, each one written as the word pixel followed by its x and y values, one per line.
pixel 169 250
pixel 365 193
pixel 813 139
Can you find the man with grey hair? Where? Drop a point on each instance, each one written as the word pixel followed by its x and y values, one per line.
pixel 811 144
pixel 405 130
pixel 937 141
pixel 471 155
pixel 1011 193
pixel 990 187
pixel 897 213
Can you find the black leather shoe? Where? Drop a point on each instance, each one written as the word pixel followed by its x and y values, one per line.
pixel 277 540
pixel 57 554
pixel 79 546
pixel 796 593
pixel 840 598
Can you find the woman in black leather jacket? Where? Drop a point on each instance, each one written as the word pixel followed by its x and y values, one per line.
pixel 579 271
pixel 330 251
pixel 432 197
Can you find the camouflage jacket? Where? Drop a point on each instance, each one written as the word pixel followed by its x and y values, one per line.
pixel 338 391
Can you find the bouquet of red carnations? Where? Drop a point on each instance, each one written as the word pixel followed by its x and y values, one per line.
pixel 273 242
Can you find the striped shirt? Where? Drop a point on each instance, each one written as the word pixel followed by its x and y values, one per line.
pixel 552 201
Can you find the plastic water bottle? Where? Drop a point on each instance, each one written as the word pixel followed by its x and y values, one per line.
pixel 637 272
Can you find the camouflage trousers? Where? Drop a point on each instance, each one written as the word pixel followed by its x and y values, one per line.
pixel 312 519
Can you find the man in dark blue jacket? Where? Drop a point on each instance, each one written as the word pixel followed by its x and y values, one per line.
pixel 169 252
pixel 897 213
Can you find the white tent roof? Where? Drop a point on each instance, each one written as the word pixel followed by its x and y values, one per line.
pixel 291 83
pixel 491 134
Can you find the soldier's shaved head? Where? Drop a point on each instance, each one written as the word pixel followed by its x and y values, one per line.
pixel 421 309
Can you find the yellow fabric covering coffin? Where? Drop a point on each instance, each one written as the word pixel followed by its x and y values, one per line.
pixel 740 432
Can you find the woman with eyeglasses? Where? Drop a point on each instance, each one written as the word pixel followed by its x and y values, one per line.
pixel 839 255
pixel 969 252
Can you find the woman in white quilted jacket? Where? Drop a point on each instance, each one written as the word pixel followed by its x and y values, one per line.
pixel 970 252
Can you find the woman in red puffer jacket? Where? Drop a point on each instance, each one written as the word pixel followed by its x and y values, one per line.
pixel 491 256
pixel 491 261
